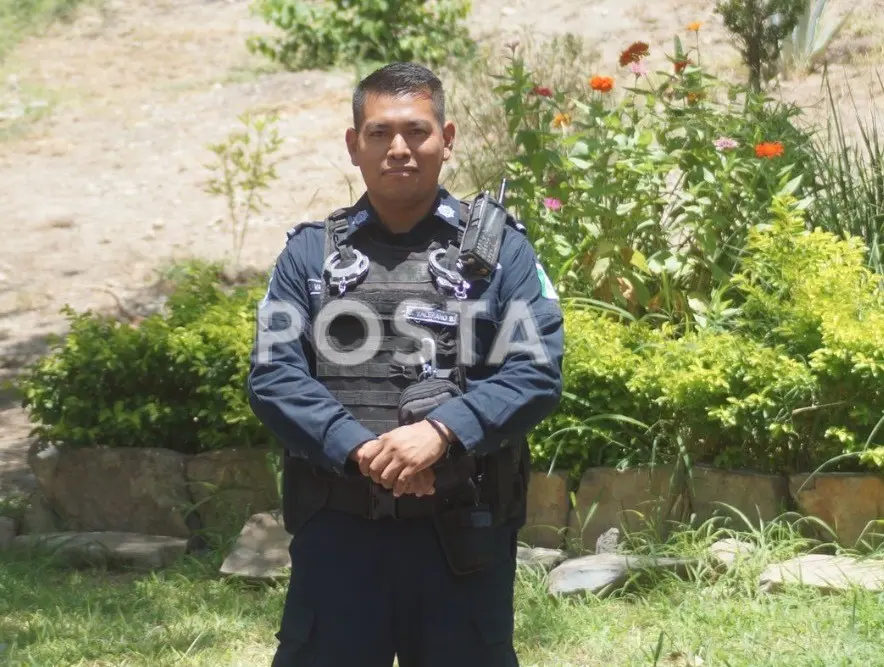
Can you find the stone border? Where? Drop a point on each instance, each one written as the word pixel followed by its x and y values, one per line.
pixel 151 491
pixel 852 504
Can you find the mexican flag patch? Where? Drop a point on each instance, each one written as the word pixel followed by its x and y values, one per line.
pixel 547 289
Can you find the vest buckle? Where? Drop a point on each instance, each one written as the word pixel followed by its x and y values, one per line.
pixel 342 278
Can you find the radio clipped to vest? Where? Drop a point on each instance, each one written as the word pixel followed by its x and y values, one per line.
pixel 483 236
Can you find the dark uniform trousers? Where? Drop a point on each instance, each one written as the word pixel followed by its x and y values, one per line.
pixel 362 591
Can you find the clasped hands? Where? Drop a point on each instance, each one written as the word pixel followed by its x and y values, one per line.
pixel 400 459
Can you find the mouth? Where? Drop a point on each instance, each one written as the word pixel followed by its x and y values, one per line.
pixel 400 171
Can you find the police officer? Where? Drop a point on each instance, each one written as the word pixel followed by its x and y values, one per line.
pixel 402 388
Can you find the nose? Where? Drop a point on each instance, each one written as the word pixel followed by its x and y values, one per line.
pixel 399 147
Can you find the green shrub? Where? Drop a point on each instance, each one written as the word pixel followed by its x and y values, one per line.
pixel 175 380
pixel 812 293
pixel 601 356
pixel 795 380
pixel 717 398
pixel 377 31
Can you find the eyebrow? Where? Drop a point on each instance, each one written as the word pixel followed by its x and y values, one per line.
pixel 376 125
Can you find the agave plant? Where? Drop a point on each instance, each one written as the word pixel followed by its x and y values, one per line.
pixel 810 39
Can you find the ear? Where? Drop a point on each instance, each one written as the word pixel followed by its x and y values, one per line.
pixel 448 134
pixel 352 139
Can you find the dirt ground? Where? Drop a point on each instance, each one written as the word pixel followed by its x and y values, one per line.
pixel 104 125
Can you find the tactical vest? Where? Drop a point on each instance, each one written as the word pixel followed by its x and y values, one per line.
pixel 395 282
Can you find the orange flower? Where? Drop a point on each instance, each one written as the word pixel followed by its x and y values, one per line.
pixel 694 27
pixel 769 149
pixel 693 98
pixel 603 84
pixel 561 120
pixel 635 52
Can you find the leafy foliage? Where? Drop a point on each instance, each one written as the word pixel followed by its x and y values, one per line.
pixel 176 380
pixel 348 31
pixel 760 26
pixel 793 381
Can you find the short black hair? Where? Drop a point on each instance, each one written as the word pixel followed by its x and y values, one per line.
pixel 398 79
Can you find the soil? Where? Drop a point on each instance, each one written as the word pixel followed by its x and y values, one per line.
pixel 105 121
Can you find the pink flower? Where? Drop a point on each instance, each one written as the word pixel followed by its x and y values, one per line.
pixel 638 68
pixel 552 203
pixel 725 143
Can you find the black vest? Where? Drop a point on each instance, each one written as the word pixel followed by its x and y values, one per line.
pixel 398 281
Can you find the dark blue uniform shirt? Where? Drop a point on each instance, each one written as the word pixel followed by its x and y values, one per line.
pixel 500 402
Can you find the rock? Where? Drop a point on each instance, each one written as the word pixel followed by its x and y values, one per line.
pixel 539 557
pixel 7 531
pixel 602 573
pixel 624 499
pixel 828 573
pixel 106 549
pixel 262 550
pixel 229 486
pixel 39 517
pixel 753 494
pixel 727 553
pixel 131 490
pixel 548 508
pixel 845 502
pixel 608 541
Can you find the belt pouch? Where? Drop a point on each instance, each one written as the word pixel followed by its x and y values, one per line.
pixel 304 493
pixel 468 536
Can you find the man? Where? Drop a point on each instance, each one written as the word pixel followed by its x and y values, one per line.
pixel 402 391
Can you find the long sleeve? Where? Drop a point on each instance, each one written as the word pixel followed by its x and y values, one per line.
pixel 525 382
pixel 283 394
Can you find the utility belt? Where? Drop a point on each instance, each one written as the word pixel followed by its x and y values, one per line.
pixel 470 522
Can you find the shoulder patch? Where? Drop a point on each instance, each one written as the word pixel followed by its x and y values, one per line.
pixel 547 289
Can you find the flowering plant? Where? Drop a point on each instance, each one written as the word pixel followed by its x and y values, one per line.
pixel 640 193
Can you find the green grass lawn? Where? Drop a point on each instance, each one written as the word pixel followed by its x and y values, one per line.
pixel 189 616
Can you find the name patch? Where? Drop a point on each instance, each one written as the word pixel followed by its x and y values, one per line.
pixel 314 285
pixel 431 316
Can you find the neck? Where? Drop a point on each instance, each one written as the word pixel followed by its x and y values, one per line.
pixel 401 218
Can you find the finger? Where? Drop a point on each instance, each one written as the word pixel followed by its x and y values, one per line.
pixel 367 453
pixel 379 464
pixel 392 473
pixel 402 486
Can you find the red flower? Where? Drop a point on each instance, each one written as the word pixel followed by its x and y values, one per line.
pixel 681 65
pixel 635 52
pixel 603 84
pixel 543 91
pixel 769 149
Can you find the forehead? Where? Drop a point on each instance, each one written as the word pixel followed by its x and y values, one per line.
pixel 398 108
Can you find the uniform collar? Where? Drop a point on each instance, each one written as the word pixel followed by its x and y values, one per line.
pixel 447 209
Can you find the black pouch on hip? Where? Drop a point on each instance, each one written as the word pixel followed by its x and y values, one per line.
pixel 469 538
pixel 304 493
